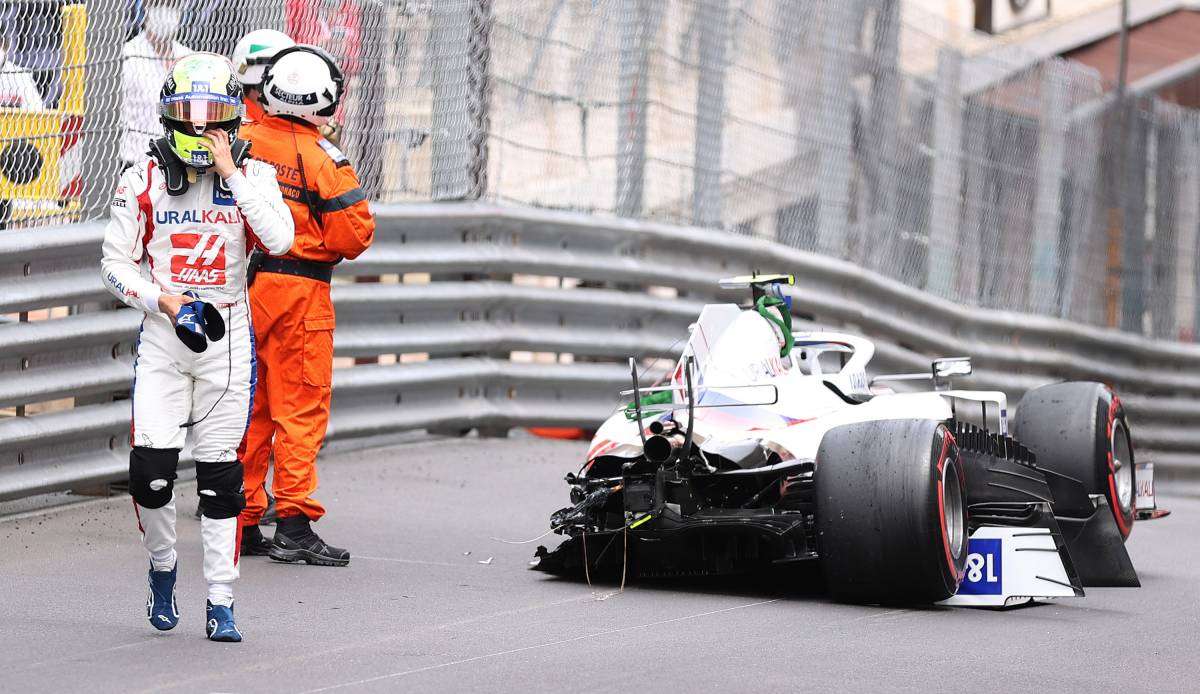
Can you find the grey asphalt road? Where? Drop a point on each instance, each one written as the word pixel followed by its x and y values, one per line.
pixel 431 603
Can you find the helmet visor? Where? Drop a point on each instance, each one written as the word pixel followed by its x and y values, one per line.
pixel 201 108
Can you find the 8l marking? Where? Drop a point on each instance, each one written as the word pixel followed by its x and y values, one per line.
pixel 985 569
pixel 976 564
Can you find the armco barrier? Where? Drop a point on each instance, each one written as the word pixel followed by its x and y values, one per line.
pixel 624 288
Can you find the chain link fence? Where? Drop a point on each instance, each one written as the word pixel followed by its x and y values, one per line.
pixel 854 128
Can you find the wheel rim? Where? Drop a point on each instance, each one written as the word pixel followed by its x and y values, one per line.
pixel 1122 465
pixel 952 511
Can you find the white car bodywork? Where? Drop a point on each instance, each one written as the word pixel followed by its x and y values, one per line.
pixel 750 401
pixel 746 392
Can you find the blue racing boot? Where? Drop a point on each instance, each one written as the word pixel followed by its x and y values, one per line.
pixel 220 626
pixel 161 609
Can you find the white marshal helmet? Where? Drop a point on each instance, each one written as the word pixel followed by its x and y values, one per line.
pixel 256 49
pixel 303 82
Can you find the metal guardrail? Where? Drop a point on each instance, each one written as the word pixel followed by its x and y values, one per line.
pixel 630 288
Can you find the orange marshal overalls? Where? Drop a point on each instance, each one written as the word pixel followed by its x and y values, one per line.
pixel 293 315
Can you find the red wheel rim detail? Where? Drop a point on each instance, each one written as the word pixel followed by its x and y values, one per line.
pixel 947 439
pixel 1114 500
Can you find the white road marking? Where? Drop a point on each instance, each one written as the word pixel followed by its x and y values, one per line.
pixel 514 611
pixel 398 560
pixel 85 654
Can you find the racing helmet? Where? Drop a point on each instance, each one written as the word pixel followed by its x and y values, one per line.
pixel 200 93
pixel 254 51
pixel 303 82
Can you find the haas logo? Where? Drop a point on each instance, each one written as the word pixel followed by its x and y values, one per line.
pixel 198 259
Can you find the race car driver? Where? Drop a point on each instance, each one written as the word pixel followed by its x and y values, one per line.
pixel 290 302
pixel 181 224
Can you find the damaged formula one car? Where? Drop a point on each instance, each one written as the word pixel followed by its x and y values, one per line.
pixel 769 447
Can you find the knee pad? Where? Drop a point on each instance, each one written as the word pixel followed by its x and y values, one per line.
pixel 152 475
pixel 220 488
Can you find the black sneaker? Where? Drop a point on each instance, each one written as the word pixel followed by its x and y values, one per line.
pixel 253 542
pixel 295 541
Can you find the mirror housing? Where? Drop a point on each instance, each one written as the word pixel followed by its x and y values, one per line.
pixel 948 367
pixel 940 372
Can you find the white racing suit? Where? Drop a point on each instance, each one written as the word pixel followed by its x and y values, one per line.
pixel 199 240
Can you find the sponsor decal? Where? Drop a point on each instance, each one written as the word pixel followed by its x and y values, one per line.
pixel 763 369
pixel 198 259
pixel 293 99
pixel 117 202
pixel 221 196
pixel 116 284
pixel 164 217
pixel 200 157
pixel 985 571
pixel 1144 500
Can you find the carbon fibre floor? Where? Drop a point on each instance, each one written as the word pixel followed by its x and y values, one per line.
pixel 431 603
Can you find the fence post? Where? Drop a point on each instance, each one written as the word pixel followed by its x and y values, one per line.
pixel 1191 259
pixel 945 200
pixel 1044 294
pixel 1132 203
pixel 712 17
pixel 1164 184
pixel 1189 224
pixel 975 146
pixel 1082 178
pixel 879 155
pixel 839 47
pixel 459 43
pixel 638 26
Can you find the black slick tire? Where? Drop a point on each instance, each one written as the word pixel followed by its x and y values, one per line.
pixel 891 512
pixel 1079 430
